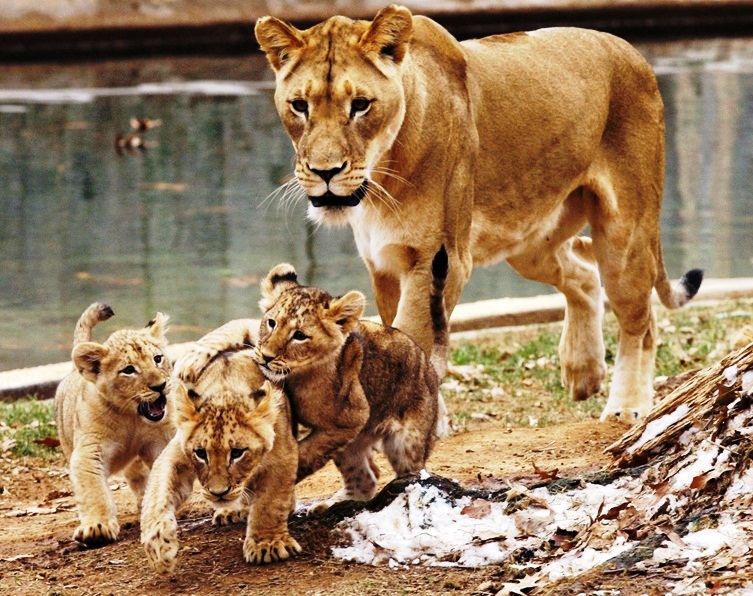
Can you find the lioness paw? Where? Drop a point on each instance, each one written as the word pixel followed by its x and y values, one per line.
pixel 161 545
pixel 268 551
pixel 228 516
pixel 97 534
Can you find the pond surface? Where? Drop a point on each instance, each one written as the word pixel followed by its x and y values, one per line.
pixel 189 224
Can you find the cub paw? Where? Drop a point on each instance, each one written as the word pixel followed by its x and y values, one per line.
pixel 268 551
pixel 97 534
pixel 192 363
pixel 228 516
pixel 161 545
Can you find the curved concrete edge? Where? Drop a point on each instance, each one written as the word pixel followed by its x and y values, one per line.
pixel 41 381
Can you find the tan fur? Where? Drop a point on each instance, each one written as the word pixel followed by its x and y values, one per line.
pixel 235 435
pixel 359 386
pixel 100 425
pixel 503 148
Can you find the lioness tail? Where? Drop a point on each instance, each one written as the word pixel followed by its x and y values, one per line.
pixel 674 297
pixel 95 313
pixel 440 325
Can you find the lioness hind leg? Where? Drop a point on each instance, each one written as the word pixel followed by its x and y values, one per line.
pixel 573 271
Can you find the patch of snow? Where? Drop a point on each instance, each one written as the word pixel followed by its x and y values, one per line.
pixel 656 427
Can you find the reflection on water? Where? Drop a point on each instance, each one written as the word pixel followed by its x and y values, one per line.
pixel 186 226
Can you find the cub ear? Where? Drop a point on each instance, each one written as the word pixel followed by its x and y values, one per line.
pixel 158 326
pixel 185 410
pixel 347 310
pixel 278 40
pixel 280 278
pixel 264 417
pixel 87 358
pixel 389 33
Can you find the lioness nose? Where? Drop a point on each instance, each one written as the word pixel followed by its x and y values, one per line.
pixel 158 388
pixel 327 175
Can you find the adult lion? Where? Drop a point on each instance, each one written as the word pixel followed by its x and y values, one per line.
pixel 502 148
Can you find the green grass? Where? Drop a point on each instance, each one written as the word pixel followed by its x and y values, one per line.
pixel 513 375
pixel 26 427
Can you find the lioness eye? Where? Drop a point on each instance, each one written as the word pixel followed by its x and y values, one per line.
pixel 236 453
pixel 200 454
pixel 129 370
pixel 300 106
pixel 359 104
pixel 299 335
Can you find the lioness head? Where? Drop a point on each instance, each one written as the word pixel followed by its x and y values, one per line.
pixel 302 326
pixel 340 96
pixel 226 430
pixel 130 369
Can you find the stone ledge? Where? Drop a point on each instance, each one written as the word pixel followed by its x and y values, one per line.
pixel 485 314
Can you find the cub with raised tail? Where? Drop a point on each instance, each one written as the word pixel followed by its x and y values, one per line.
pixel 112 416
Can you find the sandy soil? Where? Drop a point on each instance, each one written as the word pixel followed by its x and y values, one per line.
pixel 37 555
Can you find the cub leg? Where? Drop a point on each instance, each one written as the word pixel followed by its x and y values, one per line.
pixel 267 537
pixel 407 448
pixel 98 524
pixel 359 473
pixel 170 483
pixel 573 271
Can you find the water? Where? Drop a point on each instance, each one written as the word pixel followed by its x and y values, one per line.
pixel 187 226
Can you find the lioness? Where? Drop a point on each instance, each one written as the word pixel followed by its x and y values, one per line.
pixel 502 148
pixel 112 416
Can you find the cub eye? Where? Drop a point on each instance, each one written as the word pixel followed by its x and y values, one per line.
pixel 271 323
pixel 300 335
pixel 300 106
pixel 201 454
pixel 129 370
pixel 359 105
pixel 158 359
pixel 236 453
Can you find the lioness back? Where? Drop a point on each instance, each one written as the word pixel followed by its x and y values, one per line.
pixel 112 416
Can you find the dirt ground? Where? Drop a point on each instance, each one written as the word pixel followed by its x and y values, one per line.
pixel 38 556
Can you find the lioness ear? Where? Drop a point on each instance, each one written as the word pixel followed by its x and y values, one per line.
pixel 278 40
pixel 158 326
pixel 87 358
pixel 280 278
pixel 390 33
pixel 347 310
pixel 263 418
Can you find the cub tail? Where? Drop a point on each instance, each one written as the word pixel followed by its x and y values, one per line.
pixel 95 313
pixel 440 325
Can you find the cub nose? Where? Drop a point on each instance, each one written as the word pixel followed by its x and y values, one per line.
pixel 158 388
pixel 221 492
pixel 327 175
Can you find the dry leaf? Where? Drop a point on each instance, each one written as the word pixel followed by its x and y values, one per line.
pixel 477 509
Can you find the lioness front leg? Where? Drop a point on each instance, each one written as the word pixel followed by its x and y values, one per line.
pixel 170 483
pixel 96 509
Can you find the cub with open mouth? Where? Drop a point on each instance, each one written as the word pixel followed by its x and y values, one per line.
pixel 112 416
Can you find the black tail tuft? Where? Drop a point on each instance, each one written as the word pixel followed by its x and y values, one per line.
pixel 440 265
pixel 691 281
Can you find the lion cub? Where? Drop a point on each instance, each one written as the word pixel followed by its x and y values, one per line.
pixel 356 384
pixel 235 435
pixel 112 416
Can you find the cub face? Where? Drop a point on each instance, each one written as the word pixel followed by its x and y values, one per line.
pixel 301 326
pixel 130 369
pixel 226 437
pixel 340 97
